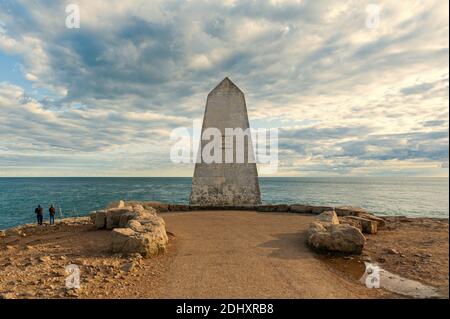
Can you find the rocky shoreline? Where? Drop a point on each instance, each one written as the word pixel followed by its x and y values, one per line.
pixel 126 243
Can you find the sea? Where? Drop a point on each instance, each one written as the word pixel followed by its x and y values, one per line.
pixel 77 196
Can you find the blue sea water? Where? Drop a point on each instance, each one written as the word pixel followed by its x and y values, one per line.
pixel 76 196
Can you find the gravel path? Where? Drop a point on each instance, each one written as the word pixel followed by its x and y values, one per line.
pixel 237 254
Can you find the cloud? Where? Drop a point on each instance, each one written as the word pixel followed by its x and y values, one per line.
pixel 344 96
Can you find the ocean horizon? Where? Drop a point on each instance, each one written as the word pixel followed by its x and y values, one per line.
pixel 77 196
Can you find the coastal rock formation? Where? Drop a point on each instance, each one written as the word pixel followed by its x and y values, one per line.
pixel 326 233
pixel 135 229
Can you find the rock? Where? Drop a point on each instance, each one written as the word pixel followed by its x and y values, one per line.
pixel 337 238
pixel 28 247
pixel 135 229
pixel 302 209
pixel 45 259
pixel 315 227
pixel 145 234
pixel 125 218
pixel 272 208
pixel 113 216
pixel 349 211
pixel 121 204
pixel 350 221
pixel 320 209
pixel 380 221
pixel 328 217
pixel 129 267
pixel 93 216
pixel 392 251
pixel 2 233
pixel 367 226
pixel 100 219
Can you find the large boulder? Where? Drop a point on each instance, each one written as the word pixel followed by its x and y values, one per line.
pixel 134 230
pixel 328 217
pixel 337 238
pixel 326 233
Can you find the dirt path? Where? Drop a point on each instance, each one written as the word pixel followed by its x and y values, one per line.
pixel 236 254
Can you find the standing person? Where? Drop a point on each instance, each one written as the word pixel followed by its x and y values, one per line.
pixel 52 212
pixel 39 214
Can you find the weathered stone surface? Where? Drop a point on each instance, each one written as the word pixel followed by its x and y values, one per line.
pixel 326 233
pixel 100 219
pixel 328 217
pixel 178 207
pixel 320 209
pixel 113 217
pixel 221 183
pixel 145 235
pixel 134 230
pixel 350 221
pixel 93 216
pixel 349 211
pixel 339 238
pixel 367 226
pixel 272 208
pixel 380 221
pixel 125 218
pixel 302 209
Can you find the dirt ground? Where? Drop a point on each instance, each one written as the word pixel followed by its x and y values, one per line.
pixel 415 248
pixel 215 254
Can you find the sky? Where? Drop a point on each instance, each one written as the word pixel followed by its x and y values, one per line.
pixel 351 93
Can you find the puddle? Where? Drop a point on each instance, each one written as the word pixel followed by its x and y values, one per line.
pixel 359 270
pixel 397 284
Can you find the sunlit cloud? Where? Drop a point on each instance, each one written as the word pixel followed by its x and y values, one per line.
pixel 348 99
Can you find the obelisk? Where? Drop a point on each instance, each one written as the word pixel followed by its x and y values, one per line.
pixel 224 183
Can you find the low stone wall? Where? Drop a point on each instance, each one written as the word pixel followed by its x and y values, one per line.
pixel 292 208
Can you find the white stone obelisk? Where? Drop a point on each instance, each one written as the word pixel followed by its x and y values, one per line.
pixel 226 183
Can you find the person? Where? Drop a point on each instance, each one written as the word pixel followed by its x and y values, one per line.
pixel 52 212
pixel 39 214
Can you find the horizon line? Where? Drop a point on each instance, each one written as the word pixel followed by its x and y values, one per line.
pixel 353 176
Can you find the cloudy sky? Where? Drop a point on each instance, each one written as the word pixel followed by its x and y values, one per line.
pixel 351 93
